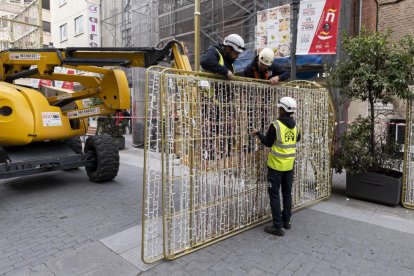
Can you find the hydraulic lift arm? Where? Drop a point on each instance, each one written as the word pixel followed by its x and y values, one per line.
pixel 108 84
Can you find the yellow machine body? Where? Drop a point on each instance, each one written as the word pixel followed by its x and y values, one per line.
pixel 32 118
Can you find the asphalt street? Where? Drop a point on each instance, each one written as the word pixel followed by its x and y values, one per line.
pixel 47 215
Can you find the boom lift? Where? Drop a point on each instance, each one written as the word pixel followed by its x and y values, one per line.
pixel 40 134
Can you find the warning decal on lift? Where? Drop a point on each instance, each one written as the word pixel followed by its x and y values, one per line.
pixel 64 96
pixel 51 119
pixel 22 56
pixel 84 112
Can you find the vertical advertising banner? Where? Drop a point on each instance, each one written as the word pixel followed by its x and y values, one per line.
pixel 273 30
pixel 94 39
pixel 318 27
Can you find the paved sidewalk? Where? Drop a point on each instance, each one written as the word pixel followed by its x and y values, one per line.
pixel 339 236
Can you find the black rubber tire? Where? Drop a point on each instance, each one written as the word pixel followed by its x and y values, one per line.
pixel 75 144
pixel 105 163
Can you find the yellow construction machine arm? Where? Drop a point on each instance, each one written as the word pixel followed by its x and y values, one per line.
pixel 111 87
pixel 46 118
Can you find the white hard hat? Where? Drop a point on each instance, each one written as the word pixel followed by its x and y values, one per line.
pixel 266 56
pixel 288 104
pixel 235 41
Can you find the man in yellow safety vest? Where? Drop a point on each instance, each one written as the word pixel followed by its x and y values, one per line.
pixel 218 59
pixel 215 104
pixel 282 136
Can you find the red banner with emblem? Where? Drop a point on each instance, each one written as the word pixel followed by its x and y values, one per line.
pixel 318 27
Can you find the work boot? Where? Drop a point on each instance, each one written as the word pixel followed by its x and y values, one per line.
pixel 287 225
pixel 274 231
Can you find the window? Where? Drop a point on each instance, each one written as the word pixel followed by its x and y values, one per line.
pixel 46 4
pixel 79 25
pixel 62 2
pixel 63 32
pixel 4 23
pixel 46 26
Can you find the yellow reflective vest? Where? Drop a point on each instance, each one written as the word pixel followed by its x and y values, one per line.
pixel 283 151
pixel 220 61
pixel 210 91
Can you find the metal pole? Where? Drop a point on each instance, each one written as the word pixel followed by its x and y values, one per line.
pixel 360 17
pixel 295 10
pixel 197 35
pixel 40 9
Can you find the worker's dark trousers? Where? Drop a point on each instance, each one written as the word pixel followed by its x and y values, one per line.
pixel 276 179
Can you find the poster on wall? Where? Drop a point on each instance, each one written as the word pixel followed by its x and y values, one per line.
pixel 273 30
pixel 317 27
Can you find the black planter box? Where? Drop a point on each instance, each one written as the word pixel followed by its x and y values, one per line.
pixel 379 188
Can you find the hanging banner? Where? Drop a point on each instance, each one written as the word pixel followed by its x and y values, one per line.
pixel 93 25
pixel 273 30
pixel 317 27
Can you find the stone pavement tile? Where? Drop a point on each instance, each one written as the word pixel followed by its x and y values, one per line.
pixel 365 267
pixel 321 270
pixel 305 269
pixel 410 227
pixel 298 262
pixel 389 221
pixel 93 259
pixel 255 272
pixel 125 240
pixel 38 270
pixel 400 271
pixel 5 269
pixel 353 271
pixel 276 266
pixel 285 272
pixel 133 256
pixel 319 244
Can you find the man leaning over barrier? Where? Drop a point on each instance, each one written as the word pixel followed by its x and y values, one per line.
pixel 216 107
pixel 264 67
pixel 282 136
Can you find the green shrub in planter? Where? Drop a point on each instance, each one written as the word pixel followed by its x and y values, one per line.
pixel 377 71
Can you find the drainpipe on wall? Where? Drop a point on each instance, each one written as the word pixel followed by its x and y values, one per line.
pixel 360 17
pixel 376 19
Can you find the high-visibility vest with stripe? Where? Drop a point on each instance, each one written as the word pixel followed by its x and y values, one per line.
pixel 283 151
pixel 210 92
pixel 220 62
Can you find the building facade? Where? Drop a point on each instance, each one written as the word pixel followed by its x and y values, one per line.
pixel 75 23
pixel 396 16
pixel 24 24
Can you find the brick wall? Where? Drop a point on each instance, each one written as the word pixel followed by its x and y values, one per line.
pixel 369 15
pixel 396 15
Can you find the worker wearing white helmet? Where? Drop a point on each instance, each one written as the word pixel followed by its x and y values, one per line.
pixel 281 137
pixel 264 67
pixel 219 58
